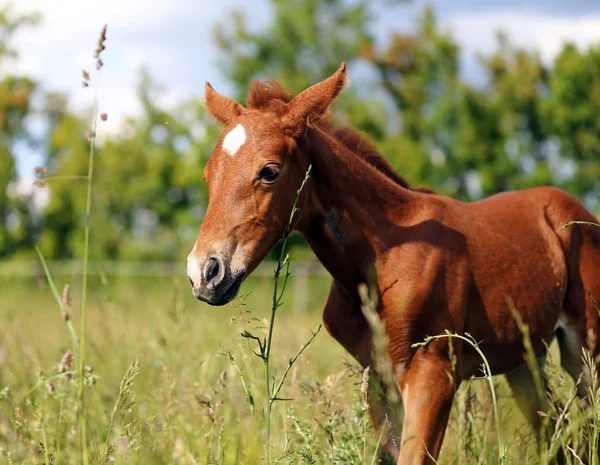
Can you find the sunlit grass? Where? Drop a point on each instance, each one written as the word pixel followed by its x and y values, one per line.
pixel 190 406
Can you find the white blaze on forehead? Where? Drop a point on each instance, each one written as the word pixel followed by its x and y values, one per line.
pixel 234 140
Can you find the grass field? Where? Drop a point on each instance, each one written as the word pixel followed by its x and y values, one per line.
pixel 185 403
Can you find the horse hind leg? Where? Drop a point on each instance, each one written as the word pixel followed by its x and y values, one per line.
pixel 573 337
pixel 579 321
pixel 576 335
pixel 346 324
pixel 571 343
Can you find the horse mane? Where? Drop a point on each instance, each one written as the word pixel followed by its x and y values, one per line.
pixel 358 143
pixel 269 94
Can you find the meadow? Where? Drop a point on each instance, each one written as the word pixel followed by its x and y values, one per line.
pixel 163 376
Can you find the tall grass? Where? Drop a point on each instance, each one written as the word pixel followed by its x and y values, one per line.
pixel 265 346
pixel 190 406
pixel 284 260
pixel 86 249
pixel 80 346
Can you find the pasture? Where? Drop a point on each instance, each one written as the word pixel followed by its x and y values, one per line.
pixel 187 405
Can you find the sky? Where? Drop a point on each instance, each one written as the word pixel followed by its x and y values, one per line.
pixel 174 41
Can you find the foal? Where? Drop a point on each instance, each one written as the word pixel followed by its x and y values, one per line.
pixel 439 264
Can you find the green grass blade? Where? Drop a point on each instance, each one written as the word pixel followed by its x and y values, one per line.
pixel 65 314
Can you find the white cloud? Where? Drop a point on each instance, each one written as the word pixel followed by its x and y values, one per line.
pixel 476 32
pixel 173 39
pixel 62 46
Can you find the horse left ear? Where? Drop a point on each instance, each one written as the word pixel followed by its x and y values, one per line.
pixel 312 103
pixel 221 107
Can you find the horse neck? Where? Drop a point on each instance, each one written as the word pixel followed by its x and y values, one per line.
pixel 351 209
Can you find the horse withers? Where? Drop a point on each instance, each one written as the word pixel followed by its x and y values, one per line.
pixel 439 264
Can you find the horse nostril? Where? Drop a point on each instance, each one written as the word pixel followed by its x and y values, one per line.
pixel 211 270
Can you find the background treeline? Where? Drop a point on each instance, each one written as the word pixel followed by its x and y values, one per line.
pixel 528 124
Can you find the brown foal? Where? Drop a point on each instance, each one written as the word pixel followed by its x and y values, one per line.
pixel 439 264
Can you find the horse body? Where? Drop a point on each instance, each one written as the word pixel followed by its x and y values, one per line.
pixel 441 264
pixel 438 264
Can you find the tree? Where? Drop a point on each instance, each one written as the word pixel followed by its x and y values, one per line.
pixel 306 41
pixel 149 194
pixel 16 222
pixel 570 115
pixel 529 125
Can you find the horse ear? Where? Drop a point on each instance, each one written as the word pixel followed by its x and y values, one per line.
pixel 312 103
pixel 221 107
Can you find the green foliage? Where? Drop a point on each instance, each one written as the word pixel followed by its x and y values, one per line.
pixel 571 115
pixel 15 104
pixel 528 124
pixel 149 192
pixel 305 42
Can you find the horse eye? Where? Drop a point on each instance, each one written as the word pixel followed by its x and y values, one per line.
pixel 270 172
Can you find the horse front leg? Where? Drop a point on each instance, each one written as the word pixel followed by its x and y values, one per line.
pixel 345 322
pixel 427 389
pixel 385 415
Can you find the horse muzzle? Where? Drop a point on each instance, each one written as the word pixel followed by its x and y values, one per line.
pixel 212 280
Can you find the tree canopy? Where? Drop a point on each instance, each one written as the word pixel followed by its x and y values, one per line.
pixel 529 124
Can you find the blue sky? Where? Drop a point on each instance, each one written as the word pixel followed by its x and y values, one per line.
pixel 174 40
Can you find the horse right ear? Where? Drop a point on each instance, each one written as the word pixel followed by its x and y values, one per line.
pixel 311 104
pixel 221 107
